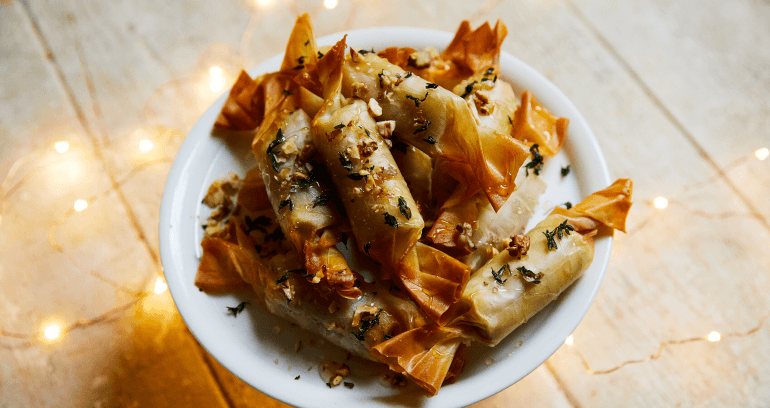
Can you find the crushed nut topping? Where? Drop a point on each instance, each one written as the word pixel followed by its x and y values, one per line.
pixel 374 107
pixel 366 149
pixel 386 128
pixel 518 246
pixel 420 59
pixel 466 232
pixel 335 373
pixel 360 90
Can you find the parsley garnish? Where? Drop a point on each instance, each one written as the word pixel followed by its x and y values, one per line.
pixel 567 205
pixel 322 199
pixel 328 385
pixel 529 275
pixel 320 55
pixel 431 86
pixel 340 126
pixel 286 92
pixel 296 378
pixel 421 128
pixel 237 309
pixel 408 74
pixel 283 278
pixel 468 89
pixel 204 226
pixel 301 60
pixel 404 208
pixel 430 140
pixel 417 100
pixel 286 202
pixel 278 140
pixel 349 385
pixel 366 325
pixel 498 275
pixel 367 246
pixel 356 176
pixel 391 220
pixel 303 184
pixel 565 170
pixel 537 160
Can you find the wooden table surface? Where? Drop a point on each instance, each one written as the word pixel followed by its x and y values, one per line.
pixel 677 93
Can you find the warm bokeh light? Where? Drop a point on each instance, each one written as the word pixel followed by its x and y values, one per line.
pixel 160 285
pixel 569 340
pixel 660 202
pixel 63 146
pixel 330 4
pixel 217 79
pixel 265 3
pixel 714 336
pixel 52 332
pixel 762 153
pixel 146 145
pixel 81 205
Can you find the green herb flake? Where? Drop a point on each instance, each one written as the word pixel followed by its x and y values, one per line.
pixel 536 165
pixel 328 385
pixel 391 220
pixel 349 385
pixel 364 52
pixel 404 208
pixel 283 278
pixel 430 140
pixel 296 378
pixel 422 128
pixel 322 199
pixel 345 162
pixel 298 67
pixel 499 274
pixel 417 100
pixel 237 309
pixel 365 325
pixel 510 120
pixel 408 74
pixel 278 140
pixel 286 202
pixel 340 126
pixel 489 72
pixel 567 205
pixel 550 240
pixel 430 85
pixel 565 170
pixel 468 89
pixel 287 92
pixel 320 55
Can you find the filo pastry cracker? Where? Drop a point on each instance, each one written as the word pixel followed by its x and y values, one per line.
pixel 439 123
pixel 517 283
pixel 382 212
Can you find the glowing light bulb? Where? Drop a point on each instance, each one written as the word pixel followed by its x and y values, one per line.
pixel 660 203
pixel 81 205
pixel 762 153
pixel 160 285
pixel 146 145
pixel 330 4
pixel 217 80
pixel 569 340
pixel 63 146
pixel 265 3
pixel 52 332
pixel 714 336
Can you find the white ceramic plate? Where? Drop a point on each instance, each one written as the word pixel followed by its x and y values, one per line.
pixel 249 345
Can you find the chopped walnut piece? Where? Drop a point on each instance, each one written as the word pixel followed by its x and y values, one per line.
pixel 483 105
pixel 420 59
pixel 363 311
pixel 386 128
pixel 518 246
pixel 335 373
pixel 367 149
pixel 360 90
pixel 466 232
pixel 395 380
pixel 374 107
pixel 220 191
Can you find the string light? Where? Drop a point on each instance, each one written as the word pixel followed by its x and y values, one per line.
pixel 660 202
pixel 265 3
pixel 569 340
pixel 714 336
pixel 762 153
pixel 217 80
pixel 52 332
pixel 330 4
pixel 160 285
pixel 63 146
pixel 81 205
pixel 146 145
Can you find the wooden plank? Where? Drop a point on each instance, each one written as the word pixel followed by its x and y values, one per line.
pixel 706 65
pixel 666 279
